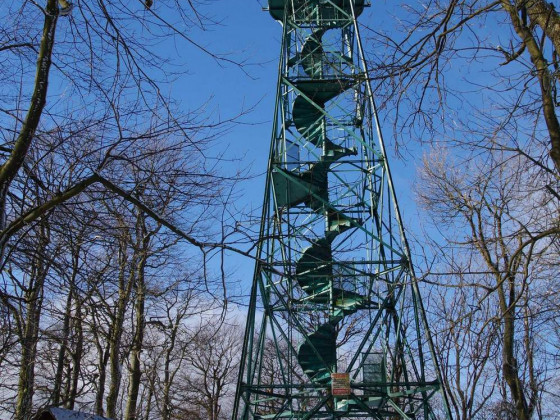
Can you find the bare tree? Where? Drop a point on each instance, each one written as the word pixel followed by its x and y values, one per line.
pixel 466 336
pixel 167 345
pixel 101 53
pixel 82 118
pixel 482 214
pixel 478 75
pixel 213 356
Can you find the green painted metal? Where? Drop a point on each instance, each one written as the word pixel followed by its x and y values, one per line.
pixel 334 289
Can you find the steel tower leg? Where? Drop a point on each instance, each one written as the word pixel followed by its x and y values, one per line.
pixel 336 326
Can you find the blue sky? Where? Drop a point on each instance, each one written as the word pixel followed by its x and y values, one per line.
pixel 248 33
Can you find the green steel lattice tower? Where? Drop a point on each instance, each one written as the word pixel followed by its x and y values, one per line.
pixel 336 327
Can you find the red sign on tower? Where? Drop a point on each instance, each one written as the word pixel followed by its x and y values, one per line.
pixel 340 384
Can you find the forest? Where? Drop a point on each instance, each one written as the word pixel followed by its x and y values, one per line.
pixel 118 202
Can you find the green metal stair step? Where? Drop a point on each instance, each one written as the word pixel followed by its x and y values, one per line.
pixel 322 342
pixel 312 54
pixel 311 186
pixel 321 91
pixel 314 268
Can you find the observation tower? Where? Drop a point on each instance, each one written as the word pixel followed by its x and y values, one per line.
pixel 336 326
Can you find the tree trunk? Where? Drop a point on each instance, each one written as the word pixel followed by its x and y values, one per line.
pixel 149 403
pixel 102 345
pixel 62 351
pixel 544 16
pixel 115 368
pixel 10 168
pixel 34 299
pixel 135 368
pixel 65 330
pixel 168 375
pixel 76 355
pixel 28 352
pixel 510 365
pixel 102 379
pixel 138 340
